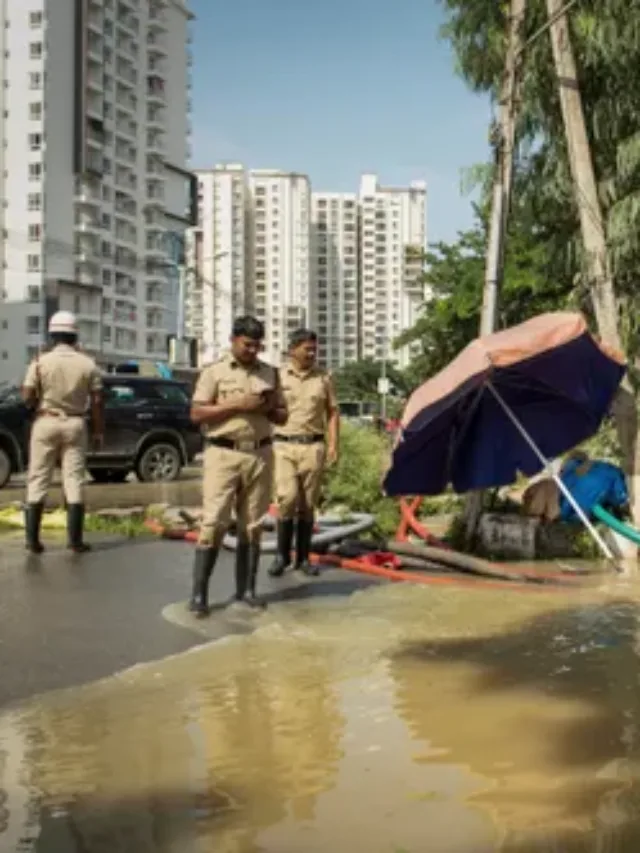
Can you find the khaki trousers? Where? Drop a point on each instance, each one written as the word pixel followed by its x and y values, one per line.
pixel 237 480
pixel 52 439
pixel 298 478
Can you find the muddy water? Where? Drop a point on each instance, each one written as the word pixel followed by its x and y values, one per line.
pixel 400 719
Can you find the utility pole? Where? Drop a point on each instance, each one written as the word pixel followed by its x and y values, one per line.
pixel 503 179
pixel 503 138
pixel 597 267
pixel 581 162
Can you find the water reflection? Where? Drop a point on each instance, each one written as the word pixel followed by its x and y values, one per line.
pixel 546 710
pixel 163 764
pixel 415 719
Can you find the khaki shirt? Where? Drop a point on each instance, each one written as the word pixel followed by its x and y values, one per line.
pixel 226 380
pixel 63 380
pixel 309 396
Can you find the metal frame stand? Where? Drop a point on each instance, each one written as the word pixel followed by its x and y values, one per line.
pixel 597 538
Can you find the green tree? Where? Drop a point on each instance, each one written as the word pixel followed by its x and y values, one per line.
pixel 606 43
pixel 358 380
pixel 607 46
pixel 450 318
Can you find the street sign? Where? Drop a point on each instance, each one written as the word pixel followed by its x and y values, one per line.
pixel 383 385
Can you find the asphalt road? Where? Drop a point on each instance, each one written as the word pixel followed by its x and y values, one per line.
pixel 66 619
pixel 184 492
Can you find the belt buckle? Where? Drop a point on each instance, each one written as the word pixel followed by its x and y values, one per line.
pixel 245 446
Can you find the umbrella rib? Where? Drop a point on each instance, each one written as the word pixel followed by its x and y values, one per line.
pixel 458 435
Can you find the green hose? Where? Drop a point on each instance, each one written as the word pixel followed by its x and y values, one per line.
pixel 615 524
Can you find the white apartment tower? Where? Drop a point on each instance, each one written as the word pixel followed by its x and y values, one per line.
pixel 392 245
pixel 335 305
pixel 279 282
pixel 93 179
pixel 217 259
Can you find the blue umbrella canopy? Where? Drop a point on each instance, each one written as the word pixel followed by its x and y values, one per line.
pixel 508 401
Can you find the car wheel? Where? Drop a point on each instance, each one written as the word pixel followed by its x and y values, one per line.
pixel 5 468
pixel 159 463
pixel 105 475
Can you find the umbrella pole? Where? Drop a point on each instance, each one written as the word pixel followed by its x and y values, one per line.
pixel 565 491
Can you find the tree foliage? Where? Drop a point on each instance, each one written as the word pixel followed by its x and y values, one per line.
pixel 450 318
pixel 358 380
pixel 606 41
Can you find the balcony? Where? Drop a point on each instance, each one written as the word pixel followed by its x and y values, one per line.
pixel 95 21
pixel 155 144
pixel 156 44
pixel 157 18
pixel 156 118
pixel 155 165
pixel 88 261
pixel 95 47
pixel 156 90
pixel 87 223
pixel 88 193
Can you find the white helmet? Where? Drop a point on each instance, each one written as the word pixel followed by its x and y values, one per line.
pixel 63 321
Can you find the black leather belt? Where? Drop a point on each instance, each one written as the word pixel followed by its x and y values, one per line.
pixel 301 439
pixel 242 446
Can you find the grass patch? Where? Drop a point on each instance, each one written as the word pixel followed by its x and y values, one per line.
pixel 127 527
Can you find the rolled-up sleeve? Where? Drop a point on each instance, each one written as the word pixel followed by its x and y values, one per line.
pixel 206 390
pixel 31 377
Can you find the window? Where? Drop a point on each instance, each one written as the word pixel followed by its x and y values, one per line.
pixel 35 50
pixel 35 171
pixel 119 395
pixel 35 111
pixel 35 80
pixel 34 201
pixel 33 263
pixel 173 395
pixel 35 141
pixel 33 325
pixel 35 20
pixel 34 293
pixel 35 232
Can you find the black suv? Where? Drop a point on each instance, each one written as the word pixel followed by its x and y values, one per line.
pixel 147 430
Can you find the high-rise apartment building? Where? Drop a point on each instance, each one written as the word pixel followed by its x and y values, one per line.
pixel 349 265
pixel 335 307
pixel 95 192
pixel 218 259
pixel 280 280
pixel 392 245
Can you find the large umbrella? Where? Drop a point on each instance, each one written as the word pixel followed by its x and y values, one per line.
pixel 506 405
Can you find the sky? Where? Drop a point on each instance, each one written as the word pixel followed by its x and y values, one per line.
pixel 335 88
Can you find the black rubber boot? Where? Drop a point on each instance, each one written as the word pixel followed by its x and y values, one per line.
pixel 75 529
pixel 304 534
pixel 32 522
pixel 254 562
pixel 285 540
pixel 203 565
pixel 242 569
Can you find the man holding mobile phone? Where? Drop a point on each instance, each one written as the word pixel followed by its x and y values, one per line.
pixel 236 401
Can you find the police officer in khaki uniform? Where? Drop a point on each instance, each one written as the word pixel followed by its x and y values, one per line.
pixel 59 385
pixel 236 400
pixel 303 446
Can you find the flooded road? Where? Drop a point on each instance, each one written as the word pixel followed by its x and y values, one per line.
pixel 398 719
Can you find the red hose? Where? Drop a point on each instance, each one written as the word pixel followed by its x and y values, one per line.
pixel 409 523
pixel 365 568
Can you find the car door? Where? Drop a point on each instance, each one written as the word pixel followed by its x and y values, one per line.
pixel 171 403
pixel 126 419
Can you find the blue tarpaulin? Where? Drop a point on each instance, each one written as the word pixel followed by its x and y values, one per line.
pixel 601 483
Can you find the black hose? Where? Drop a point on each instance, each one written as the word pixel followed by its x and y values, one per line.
pixel 455 560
